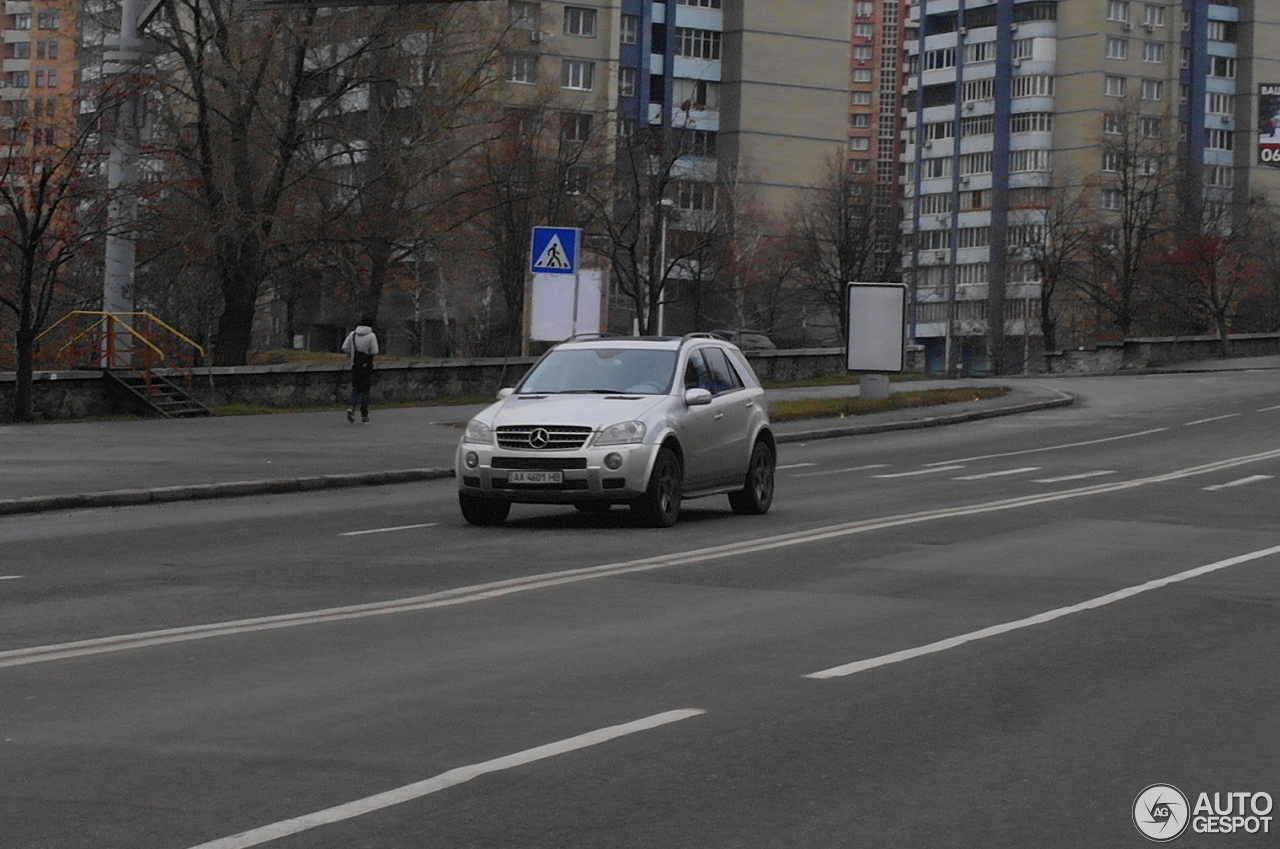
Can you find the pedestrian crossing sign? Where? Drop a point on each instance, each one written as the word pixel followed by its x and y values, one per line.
pixel 555 250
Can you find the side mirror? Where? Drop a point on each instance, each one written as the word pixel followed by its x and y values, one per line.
pixel 697 397
pixel 505 393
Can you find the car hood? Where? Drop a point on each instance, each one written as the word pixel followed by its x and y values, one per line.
pixel 593 411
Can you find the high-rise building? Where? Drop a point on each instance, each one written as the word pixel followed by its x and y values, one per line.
pixel 1014 99
pixel 38 81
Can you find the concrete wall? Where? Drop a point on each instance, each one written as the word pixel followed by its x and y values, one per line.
pixel 84 394
pixel 1155 353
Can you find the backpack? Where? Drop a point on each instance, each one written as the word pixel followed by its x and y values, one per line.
pixel 362 361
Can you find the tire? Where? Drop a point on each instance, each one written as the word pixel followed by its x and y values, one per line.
pixel 756 496
pixel 592 506
pixel 483 511
pixel 659 507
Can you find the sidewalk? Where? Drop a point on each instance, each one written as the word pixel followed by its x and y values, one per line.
pixel 93 464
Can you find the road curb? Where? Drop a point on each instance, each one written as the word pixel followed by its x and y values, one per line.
pixel 275 486
pixel 1063 400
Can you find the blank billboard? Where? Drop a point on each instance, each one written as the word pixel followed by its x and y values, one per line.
pixel 877 325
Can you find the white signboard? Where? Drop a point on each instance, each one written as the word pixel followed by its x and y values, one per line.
pixel 553 314
pixel 877 324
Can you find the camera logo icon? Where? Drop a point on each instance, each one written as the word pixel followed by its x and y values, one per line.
pixel 1161 813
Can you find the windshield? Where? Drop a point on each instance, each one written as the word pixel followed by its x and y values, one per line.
pixel 633 371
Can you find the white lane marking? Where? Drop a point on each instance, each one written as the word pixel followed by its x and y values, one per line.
pixel 443 781
pixel 10 577
pixel 1038 619
pixel 1211 419
pixel 498 589
pixel 841 471
pixel 1051 447
pixel 1081 476
pixel 794 466
pixel 1269 409
pixel 1241 482
pixel 999 474
pixel 920 472
pixel 389 530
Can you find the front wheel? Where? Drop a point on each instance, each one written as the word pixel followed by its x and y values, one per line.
pixel 659 507
pixel 756 496
pixel 483 511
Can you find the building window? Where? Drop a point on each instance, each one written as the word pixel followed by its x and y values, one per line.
pixel 523 15
pixel 1223 67
pixel 1117 48
pixel 1037 85
pixel 1153 51
pixel 864 8
pixel 1217 103
pixel 1115 86
pixel 1153 16
pixel 978 125
pixel 935 168
pixel 698 197
pixel 862 98
pixel 697 95
pixel 1111 161
pixel 861 143
pixel 862 75
pixel 577 74
pixel 864 30
pixel 575 126
pixel 697 43
pixel 1219 176
pixel 579 21
pixel 1219 140
pixel 938 59
pixel 976 163
pixel 626 82
pixel 1023 48
pixel 859 166
pixel 864 53
pixel 1113 125
pixel 47 48
pixel 630 30
pixel 522 68
pixel 1118 10
pixel 982 51
pixel 860 120
pixel 1031 122
pixel 701 4
pixel 20 50
pixel 1112 199
pixel 1151 128
pixel 45 20
pixel 984 89
pixel 1153 89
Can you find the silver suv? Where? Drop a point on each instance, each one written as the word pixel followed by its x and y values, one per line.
pixel 644 422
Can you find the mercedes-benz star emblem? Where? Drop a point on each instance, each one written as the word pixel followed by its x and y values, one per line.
pixel 539 438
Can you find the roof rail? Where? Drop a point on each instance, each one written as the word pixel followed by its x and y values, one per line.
pixel 701 335
pixel 577 337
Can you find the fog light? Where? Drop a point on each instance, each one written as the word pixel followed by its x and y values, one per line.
pixel 472 459
pixel 613 461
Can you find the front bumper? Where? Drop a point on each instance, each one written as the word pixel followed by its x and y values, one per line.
pixel 585 476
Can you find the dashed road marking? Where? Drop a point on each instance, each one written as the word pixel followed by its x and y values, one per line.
pixel 795 466
pixel 1051 447
pixel 1269 409
pixel 10 577
pixel 1240 482
pixel 389 530
pixel 841 471
pixel 1211 419
pixel 1038 619
pixel 931 471
pixel 443 781
pixel 1080 476
pixel 999 474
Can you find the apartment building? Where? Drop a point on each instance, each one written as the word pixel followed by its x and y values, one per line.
pixel 1012 98
pixel 38 81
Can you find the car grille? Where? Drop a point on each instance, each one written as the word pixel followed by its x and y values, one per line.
pixel 550 463
pixel 542 437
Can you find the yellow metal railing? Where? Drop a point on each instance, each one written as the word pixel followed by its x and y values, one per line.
pixel 135 341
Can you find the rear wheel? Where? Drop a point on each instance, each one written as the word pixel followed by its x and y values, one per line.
pixel 756 496
pixel 659 507
pixel 483 511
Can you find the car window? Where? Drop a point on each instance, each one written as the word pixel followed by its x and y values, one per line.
pixel 723 377
pixel 634 371
pixel 696 373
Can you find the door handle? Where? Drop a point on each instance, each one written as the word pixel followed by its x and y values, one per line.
pixel 719 416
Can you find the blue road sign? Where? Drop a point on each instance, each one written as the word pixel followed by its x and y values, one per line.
pixel 555 250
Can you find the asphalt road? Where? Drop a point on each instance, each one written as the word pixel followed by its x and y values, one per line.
pixel 993 634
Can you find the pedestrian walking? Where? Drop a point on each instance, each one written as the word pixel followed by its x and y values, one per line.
pixel 362 345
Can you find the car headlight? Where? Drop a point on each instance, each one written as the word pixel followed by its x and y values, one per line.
pixel 478 431
pixel 621 433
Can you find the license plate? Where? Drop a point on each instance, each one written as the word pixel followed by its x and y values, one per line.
pixel 535 477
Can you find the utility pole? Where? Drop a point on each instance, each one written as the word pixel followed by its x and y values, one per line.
pixel 120 253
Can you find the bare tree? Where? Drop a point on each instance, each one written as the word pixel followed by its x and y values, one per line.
pixel 1053 241
pixel 52 205
pixel 1136 202
pixel 842 236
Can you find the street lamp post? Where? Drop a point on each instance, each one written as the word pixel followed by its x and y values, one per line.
pixel 666 207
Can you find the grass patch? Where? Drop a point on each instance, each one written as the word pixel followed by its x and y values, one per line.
pixel 841 380
pixel 822 408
